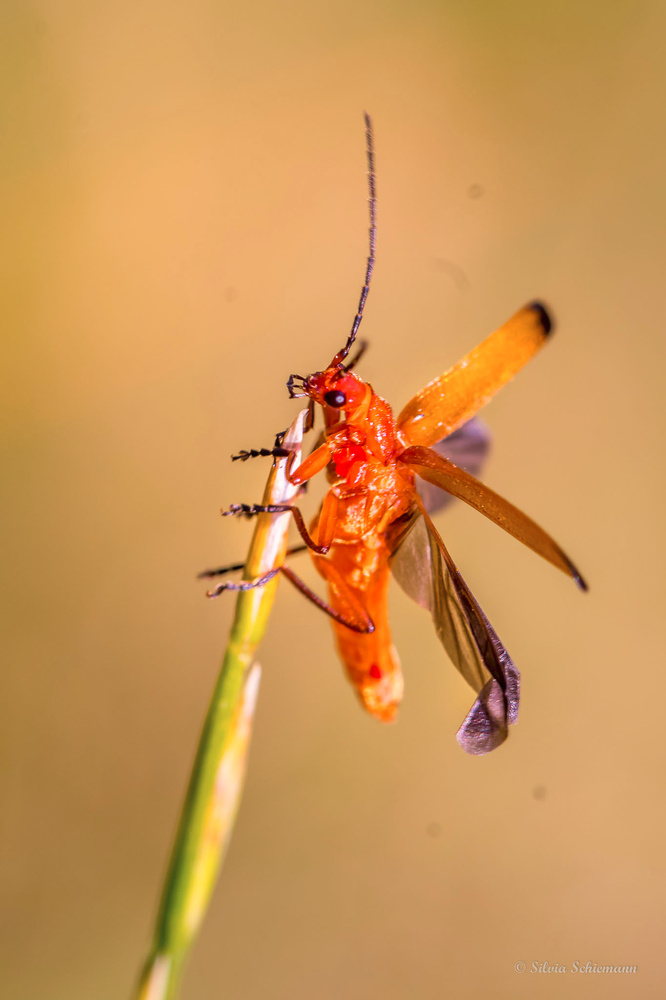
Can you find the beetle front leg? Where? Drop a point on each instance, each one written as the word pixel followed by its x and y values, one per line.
pixel 277 451
pixel 310 466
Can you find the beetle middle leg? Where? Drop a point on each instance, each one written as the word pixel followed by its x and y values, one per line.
pixel 325 529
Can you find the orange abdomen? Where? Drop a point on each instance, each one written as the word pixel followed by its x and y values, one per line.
pixel 371 660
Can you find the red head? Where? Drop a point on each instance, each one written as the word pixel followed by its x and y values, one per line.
pixel 339 389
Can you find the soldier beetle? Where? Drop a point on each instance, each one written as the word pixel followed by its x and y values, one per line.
pixel 374 520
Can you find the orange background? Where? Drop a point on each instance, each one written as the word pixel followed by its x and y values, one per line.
pixel 185 214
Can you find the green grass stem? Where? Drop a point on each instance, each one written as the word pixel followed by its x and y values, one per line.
pixel 217 777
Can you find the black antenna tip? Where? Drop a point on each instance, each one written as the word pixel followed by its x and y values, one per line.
pixel 545 319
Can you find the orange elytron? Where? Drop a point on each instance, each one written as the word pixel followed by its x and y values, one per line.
pixel 374 520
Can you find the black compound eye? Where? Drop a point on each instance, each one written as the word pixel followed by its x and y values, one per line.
pixel 335 398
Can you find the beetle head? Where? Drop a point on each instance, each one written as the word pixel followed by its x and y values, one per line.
pixel 336 386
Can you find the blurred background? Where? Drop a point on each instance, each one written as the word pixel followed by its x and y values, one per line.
pixel 184 213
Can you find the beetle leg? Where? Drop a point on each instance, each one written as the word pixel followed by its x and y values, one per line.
pixel 249 510
pixel 260 581
pixel 357 619
pixel 276 452
pixel 310 466
pixel 327 521
pixel 310 418
pixel 353 610
pixel 206 574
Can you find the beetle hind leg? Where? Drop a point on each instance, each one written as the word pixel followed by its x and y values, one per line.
pixel 260 581
pixel 354 618
pixel 206 574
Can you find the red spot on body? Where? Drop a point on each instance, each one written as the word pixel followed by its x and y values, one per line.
pixel 376 671
pixel 348 456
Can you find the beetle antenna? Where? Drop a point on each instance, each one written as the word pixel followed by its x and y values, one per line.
pixel 362 347
pixel 372 201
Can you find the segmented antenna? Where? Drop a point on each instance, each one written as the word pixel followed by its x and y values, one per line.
pixel 372 201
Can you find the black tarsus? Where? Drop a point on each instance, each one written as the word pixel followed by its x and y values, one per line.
pixel 292 389
pixel 277 451
pixel 243 455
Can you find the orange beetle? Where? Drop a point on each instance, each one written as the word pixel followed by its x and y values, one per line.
pixel 373 519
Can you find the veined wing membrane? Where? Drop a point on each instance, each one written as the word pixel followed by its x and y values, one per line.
pixel 441 472
pixel 468 448
pixel 424 569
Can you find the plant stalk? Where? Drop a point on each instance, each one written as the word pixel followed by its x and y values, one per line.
pixel 217 777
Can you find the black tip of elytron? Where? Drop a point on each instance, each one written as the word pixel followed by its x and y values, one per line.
pixel 577 577
pixel 545 319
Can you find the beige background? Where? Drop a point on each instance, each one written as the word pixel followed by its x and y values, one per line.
pixel 185 218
